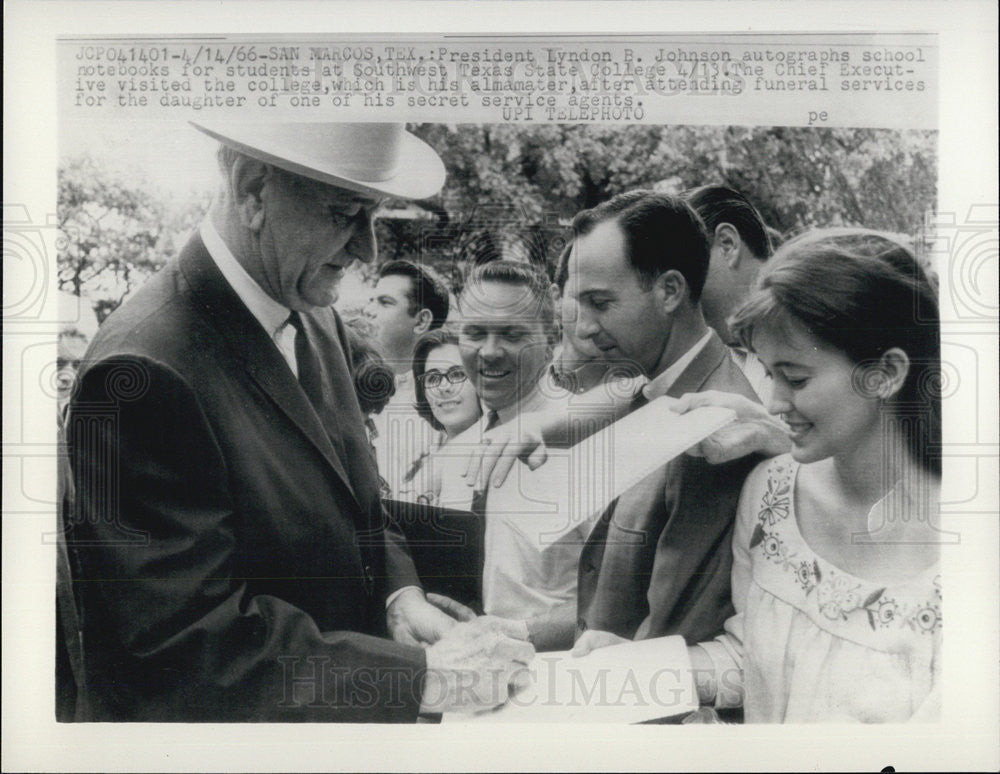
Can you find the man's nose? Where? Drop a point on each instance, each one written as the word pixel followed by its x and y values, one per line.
pixel 362 244
pixel 586 326
pixel 492 347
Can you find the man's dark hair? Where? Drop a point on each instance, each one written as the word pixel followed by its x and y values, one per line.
pixel 562 267
pixel 426 290
pixel 720 204
pixel 519 274
pixel 661 231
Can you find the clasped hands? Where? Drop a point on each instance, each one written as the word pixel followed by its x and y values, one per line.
pixel 473 663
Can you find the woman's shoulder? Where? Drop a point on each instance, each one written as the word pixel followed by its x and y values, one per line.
pixel 772 474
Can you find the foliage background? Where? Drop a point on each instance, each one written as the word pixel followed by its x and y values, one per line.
pixel 511 192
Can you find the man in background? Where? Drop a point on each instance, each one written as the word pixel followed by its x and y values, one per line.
pixel 407 300
pixel 740 244
pixel 506 336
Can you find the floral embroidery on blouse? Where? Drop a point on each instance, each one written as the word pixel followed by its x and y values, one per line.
pixel 837 595
pixel 775 502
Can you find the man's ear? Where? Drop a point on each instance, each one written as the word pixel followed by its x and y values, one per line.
pixel 246 182
pixel 552 339
pixel 728 240
pixel 671 289
pixel 424 319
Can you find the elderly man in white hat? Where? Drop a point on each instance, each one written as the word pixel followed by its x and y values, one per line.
pixel 229 546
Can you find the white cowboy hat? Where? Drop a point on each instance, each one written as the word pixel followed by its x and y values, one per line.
pixel 374 159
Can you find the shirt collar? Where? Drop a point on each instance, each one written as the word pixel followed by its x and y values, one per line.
pixel 660 384
pixel 269 313
pixel 533 401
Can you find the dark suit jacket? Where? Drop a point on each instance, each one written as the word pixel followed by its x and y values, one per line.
pixel 658 561
pixel 228 543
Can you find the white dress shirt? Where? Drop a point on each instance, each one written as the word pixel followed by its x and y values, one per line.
pixel 659 385
pixel 530 572
pixel 402 437
pixel 272 316
pixel 755 373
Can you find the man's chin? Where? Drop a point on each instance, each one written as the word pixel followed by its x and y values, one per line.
pixel 314 296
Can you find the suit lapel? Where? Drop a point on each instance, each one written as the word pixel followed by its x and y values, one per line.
pixel 341 412
pixel 688 474
pixel 693 378
pixel 250 344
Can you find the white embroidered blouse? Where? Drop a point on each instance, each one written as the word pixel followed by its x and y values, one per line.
pixel 811 642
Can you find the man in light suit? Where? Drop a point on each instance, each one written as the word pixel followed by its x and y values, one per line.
pixel 229 548
pixel 658 561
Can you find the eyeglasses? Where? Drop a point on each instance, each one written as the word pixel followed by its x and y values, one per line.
pixel 433 379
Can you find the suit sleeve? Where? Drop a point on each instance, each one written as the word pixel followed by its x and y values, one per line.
pixel 174 634
pixel 401 573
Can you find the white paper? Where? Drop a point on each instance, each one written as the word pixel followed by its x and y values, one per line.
pixel 574 486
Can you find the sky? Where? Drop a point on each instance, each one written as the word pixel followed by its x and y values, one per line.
pixel 171 156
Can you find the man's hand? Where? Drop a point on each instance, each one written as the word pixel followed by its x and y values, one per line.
pixel 755 430
pixel 519 630
pixel 473 667
pixel 592 639
pixel 415 621
pixel 502 447
pixel 455 609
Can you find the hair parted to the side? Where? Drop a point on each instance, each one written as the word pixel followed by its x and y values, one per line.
pixel 427 290
pixel 662 232
pixel 862 292
pixel 518 274
pixel 427 343
pixel 717 204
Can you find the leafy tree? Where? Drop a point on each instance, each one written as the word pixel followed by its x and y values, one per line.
pixel 112 233
pixel 512 191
